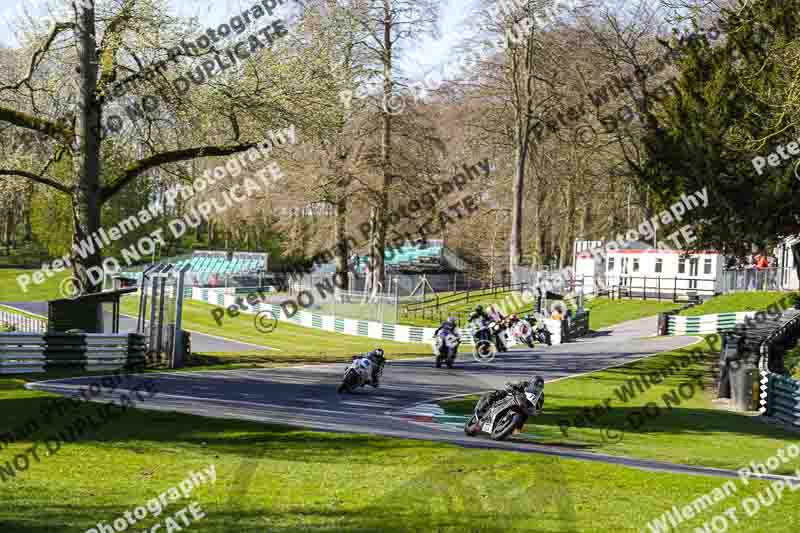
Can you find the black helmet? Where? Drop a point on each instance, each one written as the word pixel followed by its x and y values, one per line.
pixel 377 352
pixel 479 308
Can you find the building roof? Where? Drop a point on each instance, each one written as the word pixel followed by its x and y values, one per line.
pixel 639 247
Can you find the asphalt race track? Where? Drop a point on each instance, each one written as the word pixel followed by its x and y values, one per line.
pixel 306 396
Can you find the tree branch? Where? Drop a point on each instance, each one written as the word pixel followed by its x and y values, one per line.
pixel 112 41
pixel 39 54
pixel 37 178
pixel 23 120
pixel 143 165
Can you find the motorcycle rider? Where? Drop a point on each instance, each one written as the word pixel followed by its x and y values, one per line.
pixel 377 359
pixel 498 317
pixel 489 398
pixel 447 327
pixel 479 316
pixel 478 313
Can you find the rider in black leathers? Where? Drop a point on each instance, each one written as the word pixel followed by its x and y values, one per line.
pixel 490 397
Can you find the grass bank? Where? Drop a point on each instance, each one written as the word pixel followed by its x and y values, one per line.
pixel 736 302
pixel 272 478
pixel 605 312
pixel 291 343
pixel 10 290
pixel 669 417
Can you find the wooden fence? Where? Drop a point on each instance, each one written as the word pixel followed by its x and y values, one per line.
pixel 31 353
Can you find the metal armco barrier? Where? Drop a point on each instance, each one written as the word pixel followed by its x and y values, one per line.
pixel 779 395
pixel 23 353
pixel 780 398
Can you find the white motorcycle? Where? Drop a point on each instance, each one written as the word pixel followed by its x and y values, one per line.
pixel 359 373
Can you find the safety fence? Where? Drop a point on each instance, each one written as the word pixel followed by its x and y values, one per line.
pixel 706 324
pixel 22 323
pixel 366 328
pixel 22 353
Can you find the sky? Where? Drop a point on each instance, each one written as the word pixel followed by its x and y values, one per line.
pixel 424 54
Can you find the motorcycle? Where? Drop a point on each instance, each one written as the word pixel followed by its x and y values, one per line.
pixel 522 331
pixel 534 332
pixel 447 349
pixel 358 374
pixel 508 414
pixel 482 335
pixel 542 334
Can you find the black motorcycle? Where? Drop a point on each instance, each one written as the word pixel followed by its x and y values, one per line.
pixel 539 332
pixel 543 335
pixel 447 349
pixel 508 412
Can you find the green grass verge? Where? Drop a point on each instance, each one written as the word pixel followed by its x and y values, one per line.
pixel 736 302
pixel 297 344
pixel 10 291
pixel 605 312
pixel 277 479
pixel 512 302
pixel 691 430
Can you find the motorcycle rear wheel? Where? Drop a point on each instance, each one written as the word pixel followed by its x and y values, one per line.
pixel 506 425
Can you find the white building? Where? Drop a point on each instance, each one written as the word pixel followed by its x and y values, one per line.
pixel 637 267
pixel 787 262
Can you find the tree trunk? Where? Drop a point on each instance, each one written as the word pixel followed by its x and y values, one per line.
pixel 515 245
pixel 379 227
pixel 28 213
pixel 341 237
pixel 86 154
pixel 10 222
pixel 565 257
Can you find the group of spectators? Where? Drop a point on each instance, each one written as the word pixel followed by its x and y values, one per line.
pixel 756 261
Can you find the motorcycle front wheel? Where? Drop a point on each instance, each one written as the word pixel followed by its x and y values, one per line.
pixel 505 426
pixel 348 383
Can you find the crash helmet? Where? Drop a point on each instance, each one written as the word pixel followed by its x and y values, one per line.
pixel 479 308
pixel 377 353
pixel 513 317
pixel 451 320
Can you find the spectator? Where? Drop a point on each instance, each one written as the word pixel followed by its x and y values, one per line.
pixel 495 313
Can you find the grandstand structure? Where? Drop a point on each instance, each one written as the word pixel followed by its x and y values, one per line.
pixel 431 256
pixel 214 268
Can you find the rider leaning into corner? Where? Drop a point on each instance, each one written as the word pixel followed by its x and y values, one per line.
pixel 490 397
pixel 377 358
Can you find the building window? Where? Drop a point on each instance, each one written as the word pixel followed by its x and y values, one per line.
pixel 636 265
pixel 707 266
pixel 610 264
pixel 659 265
pixel 681 266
